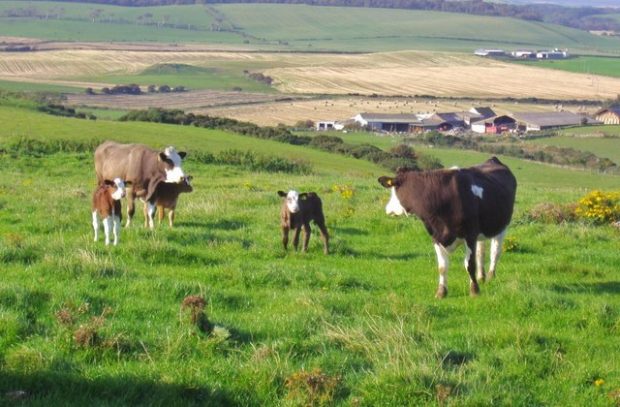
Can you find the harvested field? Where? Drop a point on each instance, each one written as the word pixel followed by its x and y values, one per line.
pixel 439 74
pixel 190 101
pixel 406 73
pixel 291 112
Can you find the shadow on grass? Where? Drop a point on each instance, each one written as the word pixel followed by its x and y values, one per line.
pixel 351 231
pixel 606 287
pixel 58 389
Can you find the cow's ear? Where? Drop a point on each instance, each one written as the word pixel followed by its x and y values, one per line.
pixel 282 194
pixel 303 196
pixel 182 154
pixel 109 183
pixel 387 182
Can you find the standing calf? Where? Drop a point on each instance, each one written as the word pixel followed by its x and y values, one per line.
pixel 107 204
pixel 165 197
pixel 297 212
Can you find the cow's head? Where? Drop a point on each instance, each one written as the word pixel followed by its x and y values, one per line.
pixel 292 200
pixel 118 186
pixel 394 207
pixel 172 164
pixel 186 185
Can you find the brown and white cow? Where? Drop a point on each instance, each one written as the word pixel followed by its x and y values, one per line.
pixel 166 196
pixel 456 205
pixel 140 165
pixel 298 210
pixel 107 205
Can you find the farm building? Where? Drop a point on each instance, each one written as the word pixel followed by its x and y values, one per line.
pixel 550 120
pixel 609 115
pixel 494 125
pixel 555 54
pixel 523 54
pixel 386 122
pixel 481 52
pixel 475 114
pixel 438 121
pixel 326 125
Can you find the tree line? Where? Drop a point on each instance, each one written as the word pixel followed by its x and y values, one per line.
pixel 585 18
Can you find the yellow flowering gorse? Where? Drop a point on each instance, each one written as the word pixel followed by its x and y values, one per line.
pixel 599 206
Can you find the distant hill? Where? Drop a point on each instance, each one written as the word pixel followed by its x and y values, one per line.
pixel 577 17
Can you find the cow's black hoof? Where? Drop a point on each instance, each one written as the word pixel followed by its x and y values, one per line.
pixel 474 290
pixel 442 292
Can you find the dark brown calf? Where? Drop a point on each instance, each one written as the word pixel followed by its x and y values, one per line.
pixel 165 196
pixel 107 205
pixel 298 210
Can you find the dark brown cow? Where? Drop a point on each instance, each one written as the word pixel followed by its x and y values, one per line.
pixel 107 205
pixel 166 196
pixel 140 165
pixel 458 205
pixel 298 210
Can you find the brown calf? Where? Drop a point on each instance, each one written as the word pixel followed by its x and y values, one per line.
pixel 165 197
pixel 297 212
pixel 107 205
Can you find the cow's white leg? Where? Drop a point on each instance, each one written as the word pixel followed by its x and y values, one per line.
pixel 151 211
pixel 116 229
pixel 480 260
pixel 443 261
pixel 95 225
pixel 496 251
pixel 107 224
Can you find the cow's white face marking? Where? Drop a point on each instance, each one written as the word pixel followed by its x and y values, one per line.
pixel 476 190
pixel 120 189
pixel 292 201
pixel 175 174
pixel 394 206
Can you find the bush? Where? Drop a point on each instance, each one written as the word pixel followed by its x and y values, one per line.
pixel 599 207
pixel 552 213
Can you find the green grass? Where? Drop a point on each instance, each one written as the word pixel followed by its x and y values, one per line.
pixel 220 77
pixel 299 27
pixel 590 139
pixel 542 333
pixel 36 87
pixel 586 65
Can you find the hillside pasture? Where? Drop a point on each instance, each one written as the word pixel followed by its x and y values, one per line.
pixel 300 28
pixel 589 139
pixel 80 322
pixel 583 64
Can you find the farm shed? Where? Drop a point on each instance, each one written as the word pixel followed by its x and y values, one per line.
pixel 476 114
pixel 434 122
pixel 481 52
pixel 494 125
pixel 610 115
pixel 325 125
pixel 550 120
pixel 387 122
pixel 555 54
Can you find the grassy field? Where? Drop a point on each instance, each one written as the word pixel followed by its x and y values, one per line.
pixel 300 27
pixel 589 139
pixel 585 65
pixel 83 324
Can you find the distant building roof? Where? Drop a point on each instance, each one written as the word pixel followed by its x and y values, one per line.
pixel 613 109
pixel 390 118
pixel 483 111
pixel 552 119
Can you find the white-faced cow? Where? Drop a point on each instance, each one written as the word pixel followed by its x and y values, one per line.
pixel 140 165
pixel 456 205
pixel 166 196
pixel 107 205
pixel 298 210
